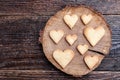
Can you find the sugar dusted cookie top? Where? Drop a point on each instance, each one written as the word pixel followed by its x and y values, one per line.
pixel 76 39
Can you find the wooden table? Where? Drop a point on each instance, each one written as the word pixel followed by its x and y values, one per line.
pixel 21 54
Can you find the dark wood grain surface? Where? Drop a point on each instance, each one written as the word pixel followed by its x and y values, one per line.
pixel 21 54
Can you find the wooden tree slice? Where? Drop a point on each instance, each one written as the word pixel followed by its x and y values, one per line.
pixel 77 67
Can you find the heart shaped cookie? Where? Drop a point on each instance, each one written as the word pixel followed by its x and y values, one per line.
pixel 71 38
pixel 82 48
pixel 70 20
pixel 63 58
pixel 91 60
pixel 94 35
pixel 56 35
pixel 86 18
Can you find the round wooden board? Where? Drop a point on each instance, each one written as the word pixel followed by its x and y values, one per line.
pixel 77 66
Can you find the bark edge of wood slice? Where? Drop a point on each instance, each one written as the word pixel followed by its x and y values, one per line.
pixel 77 67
